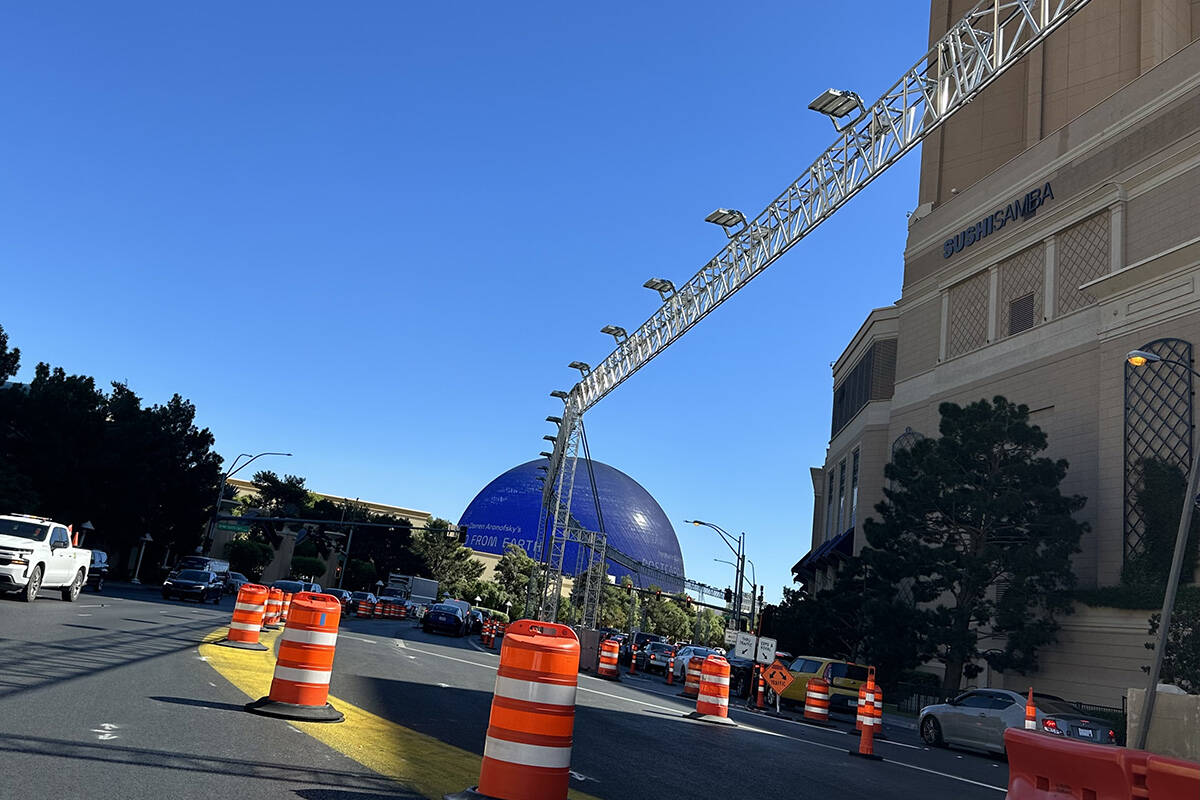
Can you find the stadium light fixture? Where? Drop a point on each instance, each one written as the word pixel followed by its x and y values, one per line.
pixel 732 220
pixel 836 104
pixel 663 286
pixel 615 331
pixel 583 368
pixel 555 420
pixel 560 394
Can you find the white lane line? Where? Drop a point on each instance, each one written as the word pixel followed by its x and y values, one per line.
pixel 92 605
pixel 356 638
pixel 743 726
pixel 85 615
pixel 400 643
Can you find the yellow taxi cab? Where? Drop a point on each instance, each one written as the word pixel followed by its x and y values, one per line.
pixel 844 678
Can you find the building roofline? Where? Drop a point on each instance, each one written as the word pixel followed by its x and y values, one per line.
pixel 245 485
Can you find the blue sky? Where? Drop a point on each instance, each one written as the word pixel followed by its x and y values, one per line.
pixel 374 234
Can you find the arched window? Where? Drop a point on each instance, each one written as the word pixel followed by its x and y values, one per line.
pixel 1158 424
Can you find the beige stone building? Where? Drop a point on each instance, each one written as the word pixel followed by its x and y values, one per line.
pixel 1057 228
pixel 280 567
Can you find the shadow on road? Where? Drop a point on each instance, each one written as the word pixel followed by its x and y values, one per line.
pixel 191 701
pixel 339 780
pixel 26 666
pixel 338 794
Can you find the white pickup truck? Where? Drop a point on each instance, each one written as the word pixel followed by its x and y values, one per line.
pixel 37 553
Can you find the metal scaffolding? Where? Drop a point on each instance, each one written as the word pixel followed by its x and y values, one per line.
pixel 986 42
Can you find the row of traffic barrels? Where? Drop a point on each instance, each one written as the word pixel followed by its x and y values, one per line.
pixel 380 609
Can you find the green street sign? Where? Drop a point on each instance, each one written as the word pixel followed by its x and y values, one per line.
pixel 235 527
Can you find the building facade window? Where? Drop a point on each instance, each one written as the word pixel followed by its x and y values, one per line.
pixel 854 489
pixel 872 378
pixel 829 506
pixel 841 510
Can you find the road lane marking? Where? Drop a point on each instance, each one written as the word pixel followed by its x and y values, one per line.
pixel 400 643
pixel 417 761
pixel 752 728
pixel 356 638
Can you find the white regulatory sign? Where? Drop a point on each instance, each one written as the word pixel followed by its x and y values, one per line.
pixel 730 638
pixel 745 646
pixel 766 650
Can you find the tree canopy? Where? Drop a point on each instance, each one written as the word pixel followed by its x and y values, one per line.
pixel 976 530
pixel 74 453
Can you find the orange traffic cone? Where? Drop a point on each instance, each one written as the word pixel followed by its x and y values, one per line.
pixel 1030 713
pixel 866 739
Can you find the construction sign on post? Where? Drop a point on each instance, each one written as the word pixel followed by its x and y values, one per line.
pixel 777 677
pixel 766 650
pixel 745 646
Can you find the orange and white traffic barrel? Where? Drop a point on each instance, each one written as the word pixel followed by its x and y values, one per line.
pixel 287 604
pixel 403 612
pixel 691 685
pixel 247 620
pixel 365 609
pixel 609 651
pixel 300 686
pixel 274 609
pixel 1030 712
pixel 527 753
pixel 713 699
pixel 816 701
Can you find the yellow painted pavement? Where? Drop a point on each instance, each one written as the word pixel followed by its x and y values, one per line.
pixel 421 763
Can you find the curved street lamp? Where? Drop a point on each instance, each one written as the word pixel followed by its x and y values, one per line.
pixel 740 552
pixel 233 470
pixel 1140 358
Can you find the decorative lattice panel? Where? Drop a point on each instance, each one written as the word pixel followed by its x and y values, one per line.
pixel 1019 276
pixel 1083 256
pixel 1158 424
pixel 968 315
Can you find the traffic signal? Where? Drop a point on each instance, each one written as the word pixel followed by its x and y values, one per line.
pixel 629 588
pixel 729 595
pixel 658 594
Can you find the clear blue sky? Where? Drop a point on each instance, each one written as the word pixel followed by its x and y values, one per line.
pixel 374 234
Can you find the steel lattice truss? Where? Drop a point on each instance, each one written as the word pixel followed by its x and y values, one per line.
pixel 1158 425
pixel 980 47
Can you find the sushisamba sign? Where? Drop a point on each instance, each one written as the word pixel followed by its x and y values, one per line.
pixel 1019 209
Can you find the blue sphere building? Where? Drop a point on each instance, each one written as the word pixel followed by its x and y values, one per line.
pixel 507 511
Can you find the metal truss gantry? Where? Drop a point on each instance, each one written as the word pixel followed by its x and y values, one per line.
pixel 977 50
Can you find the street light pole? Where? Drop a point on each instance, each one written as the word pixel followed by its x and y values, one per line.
pixel 1139 358
pixel 753 586
pixel 233 469
pixel 740 553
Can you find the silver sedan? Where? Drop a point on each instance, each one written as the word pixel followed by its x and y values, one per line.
pixel 979 717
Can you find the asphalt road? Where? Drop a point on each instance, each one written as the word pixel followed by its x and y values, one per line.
pixel 110 696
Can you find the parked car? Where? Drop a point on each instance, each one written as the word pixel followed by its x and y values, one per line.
pixel 844 678
pixel 235 581
pixel 641 639
pixel 655 657
pixel 465 608
pixel 194 584
pixel 477 618
pixel 978 719
pixel 38 553
pixel 343 597
pixel 288 587
pixel 98 571
pixel 685 654
pixel 446 618
pixel 312 587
